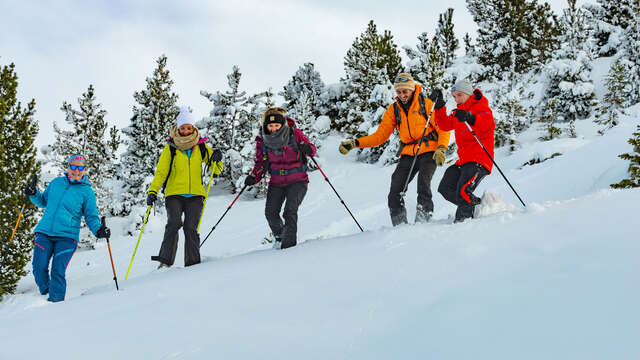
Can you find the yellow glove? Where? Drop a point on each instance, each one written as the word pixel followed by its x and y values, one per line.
pixel 347 145
pixel 217 167
pixel 439 155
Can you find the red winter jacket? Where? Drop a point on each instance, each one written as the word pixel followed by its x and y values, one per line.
pixel 468 148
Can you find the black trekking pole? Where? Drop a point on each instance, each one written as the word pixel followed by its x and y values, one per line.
pixel 225 213
pixel 417 153
pixel 115 278
pixel 494 163
pixel 334 190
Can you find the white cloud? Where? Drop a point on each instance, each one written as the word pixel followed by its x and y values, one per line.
pixel 61 47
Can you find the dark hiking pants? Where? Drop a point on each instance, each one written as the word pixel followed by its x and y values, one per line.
pixel 191 207
pixel 291 195
pixel 425 167
pixel 458 184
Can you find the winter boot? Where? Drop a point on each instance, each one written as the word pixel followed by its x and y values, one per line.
pixel 422 216
pixel 398 216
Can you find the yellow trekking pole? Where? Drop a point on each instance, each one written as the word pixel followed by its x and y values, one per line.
pixel 146 217
pixel 206 196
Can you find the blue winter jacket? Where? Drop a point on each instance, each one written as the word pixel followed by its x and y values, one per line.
pixel 64 204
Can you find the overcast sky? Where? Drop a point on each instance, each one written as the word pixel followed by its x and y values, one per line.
pixel 60 47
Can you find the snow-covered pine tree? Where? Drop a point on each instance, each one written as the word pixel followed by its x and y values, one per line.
pixel 446 37
pixel 509 113
pixel 469 46
pixel 426 62
pixel 549 119
pixel 86 136
pixel 523 27
pixel 634 167
pixel 609 19
pixel 631 45
pixel 153 114
pixel 372 61
pixel 615 100
pixel 306 80
pixel 569 93
pixel 232 125
pixel 18 130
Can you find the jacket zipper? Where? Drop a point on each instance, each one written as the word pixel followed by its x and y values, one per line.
pixel 189 162
pixel 59 203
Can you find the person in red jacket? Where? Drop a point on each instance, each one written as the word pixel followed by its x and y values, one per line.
pixel 462 178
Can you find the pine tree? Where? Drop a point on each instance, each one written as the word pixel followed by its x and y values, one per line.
pixel 426 63
pixel 521 27
pixel 615 100
pixel 570 91
pixel 510 114
pixel 306 80
pixel 368 64
pixel 232 125
pixel 87 137
pixel 18 164
pixel 610 18
pixel 634 167
pixel 469 47
pixel 549 119
pixel 153 114
pixel 631 45
pixel 446 37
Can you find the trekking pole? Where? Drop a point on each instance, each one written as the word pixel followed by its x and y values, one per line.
pixel 225 213
pixel 33 181
pixel 334 190
pixel 146 217
pixel 417 153
pixel 115 278
pixel 206 196
pixel 17 222
pixel 494 163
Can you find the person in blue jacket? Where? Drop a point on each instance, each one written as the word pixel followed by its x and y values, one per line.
pixel 65 200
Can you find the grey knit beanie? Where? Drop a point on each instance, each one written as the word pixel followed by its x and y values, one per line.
pixel 463 86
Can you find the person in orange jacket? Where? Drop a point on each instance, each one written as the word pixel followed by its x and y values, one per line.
pixel 409 116
pixel 462 178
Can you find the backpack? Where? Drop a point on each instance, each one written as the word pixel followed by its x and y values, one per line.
pixel 203 150
pixel 432 136
pixel 294 145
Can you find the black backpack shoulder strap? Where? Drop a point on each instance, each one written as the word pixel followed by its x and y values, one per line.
pixel 396 112
pixel 423 111
pixel 204 154
pixel 173 155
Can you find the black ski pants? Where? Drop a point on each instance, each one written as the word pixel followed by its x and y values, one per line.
pixel 291 195
pixel 425 167
pixel 192 208
pixel 458 184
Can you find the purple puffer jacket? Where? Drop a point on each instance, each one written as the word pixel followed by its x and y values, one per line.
pixel 289 159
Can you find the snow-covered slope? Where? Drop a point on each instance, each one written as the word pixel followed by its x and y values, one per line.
pixel 557 280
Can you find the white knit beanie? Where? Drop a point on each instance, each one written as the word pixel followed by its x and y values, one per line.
pixel 184 117
pixel 463 86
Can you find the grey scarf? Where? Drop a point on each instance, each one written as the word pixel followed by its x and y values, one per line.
pixel 276 141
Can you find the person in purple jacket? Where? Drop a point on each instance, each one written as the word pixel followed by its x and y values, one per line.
pixel 281 151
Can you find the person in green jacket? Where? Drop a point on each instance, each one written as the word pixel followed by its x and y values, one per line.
pixel 179 173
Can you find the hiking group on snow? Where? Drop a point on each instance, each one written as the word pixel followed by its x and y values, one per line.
pixel 281 152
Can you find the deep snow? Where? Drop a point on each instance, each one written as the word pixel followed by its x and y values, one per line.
pixel 557 280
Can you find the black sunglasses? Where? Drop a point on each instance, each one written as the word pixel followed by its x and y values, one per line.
pixel 79 167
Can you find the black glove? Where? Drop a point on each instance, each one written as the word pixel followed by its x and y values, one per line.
pixel 436 95
pixel 103 232
pixel 151 198
pixel 306 149
pixel 250 180
pixel 465 116
pixel 31 189
pixel 217 155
